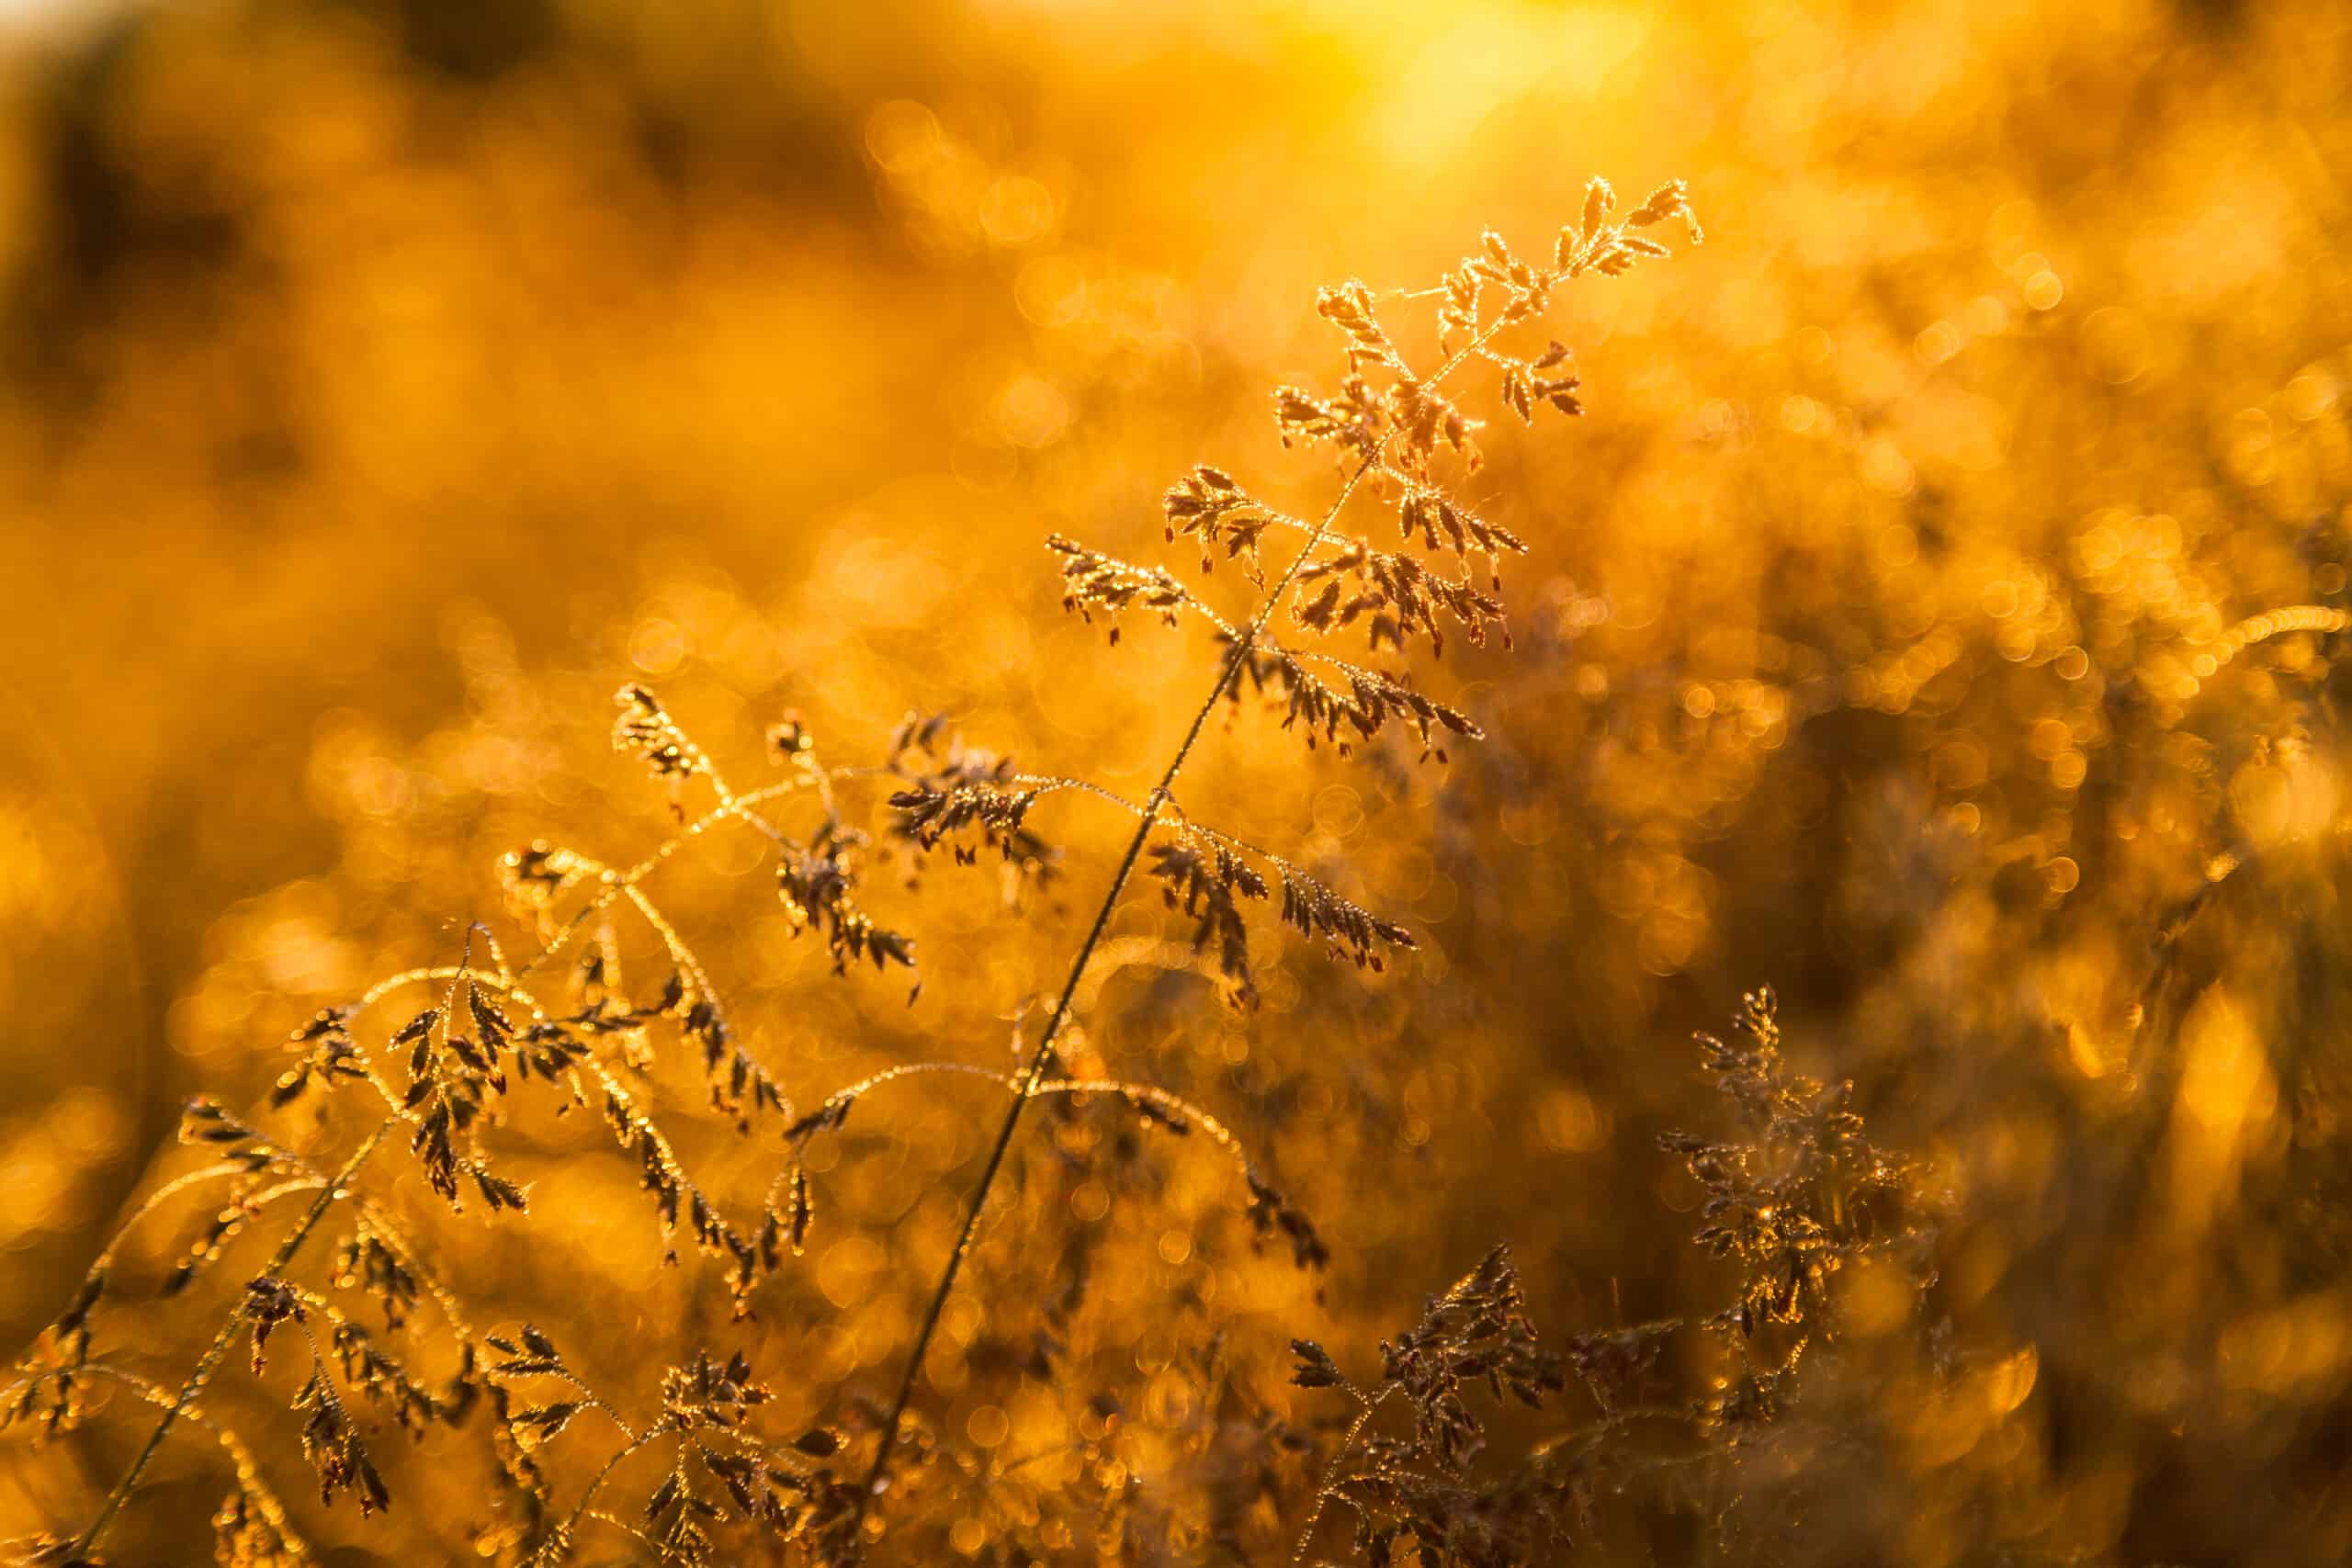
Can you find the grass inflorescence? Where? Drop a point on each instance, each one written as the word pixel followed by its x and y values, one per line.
pixel 433 1061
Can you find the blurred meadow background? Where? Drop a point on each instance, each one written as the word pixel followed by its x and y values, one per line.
pixel 382 382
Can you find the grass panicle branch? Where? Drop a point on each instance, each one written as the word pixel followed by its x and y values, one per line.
pixel 1395 434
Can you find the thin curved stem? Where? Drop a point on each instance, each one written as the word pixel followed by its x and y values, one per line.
pixel 249 1476
pixel 650 1435
pixel 1188 1114
pixel 1331 1472
pixel 158 1198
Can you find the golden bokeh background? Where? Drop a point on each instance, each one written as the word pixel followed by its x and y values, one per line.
pixel 388 381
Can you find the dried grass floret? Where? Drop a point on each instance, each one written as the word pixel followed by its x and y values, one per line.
pixel 1414 1488
pixel 331 1440
pixel 816 883
pixel 1805 1194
